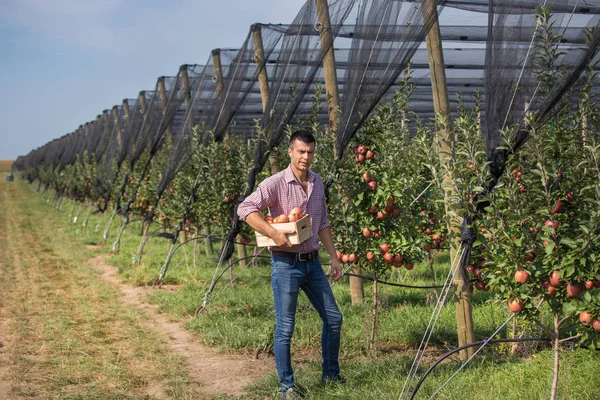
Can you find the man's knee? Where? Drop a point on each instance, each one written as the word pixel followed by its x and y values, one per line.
pixel 335 320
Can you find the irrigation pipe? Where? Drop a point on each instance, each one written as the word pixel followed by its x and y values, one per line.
pixel 479 349
pixel 482 342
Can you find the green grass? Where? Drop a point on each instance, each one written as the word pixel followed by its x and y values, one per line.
pixel 241 313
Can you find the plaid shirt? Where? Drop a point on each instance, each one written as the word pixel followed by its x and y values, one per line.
pixel 282 192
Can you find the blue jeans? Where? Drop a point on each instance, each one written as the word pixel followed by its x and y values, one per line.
pixel 288 276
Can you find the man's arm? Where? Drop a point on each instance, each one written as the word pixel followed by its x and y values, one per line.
pixel 256 221
pixel 327 239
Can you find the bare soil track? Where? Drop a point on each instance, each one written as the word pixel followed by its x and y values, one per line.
pixel 70 329
pixel 219 373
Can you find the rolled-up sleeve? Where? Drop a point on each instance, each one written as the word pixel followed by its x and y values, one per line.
pixel 264 196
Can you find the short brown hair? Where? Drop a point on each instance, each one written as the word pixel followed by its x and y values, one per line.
pixel 303 135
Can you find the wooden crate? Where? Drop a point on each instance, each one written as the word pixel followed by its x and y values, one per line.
pixel 302 227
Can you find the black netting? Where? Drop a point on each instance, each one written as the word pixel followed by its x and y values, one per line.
pixel 512 76
pixel 375 61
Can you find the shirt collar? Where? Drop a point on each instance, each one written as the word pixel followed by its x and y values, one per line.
pixel 289 175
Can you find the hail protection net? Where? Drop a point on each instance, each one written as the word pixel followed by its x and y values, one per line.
pixel 235 88
pixel 160 115
pixel 386 36
pixel 195 78
pixel 114 140
pixel 299 58
pixel 519 77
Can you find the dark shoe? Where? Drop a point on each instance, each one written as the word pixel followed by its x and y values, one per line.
pixel 292 393
pixel 338 380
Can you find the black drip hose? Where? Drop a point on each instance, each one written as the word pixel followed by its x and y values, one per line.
pixel 482 342
pixel 395 284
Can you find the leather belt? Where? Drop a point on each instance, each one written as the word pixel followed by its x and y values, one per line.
pixel 296 256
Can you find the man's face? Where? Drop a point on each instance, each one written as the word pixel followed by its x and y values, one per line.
pixel 301 155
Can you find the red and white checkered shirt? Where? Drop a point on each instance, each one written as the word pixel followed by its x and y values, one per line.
pixel 282 192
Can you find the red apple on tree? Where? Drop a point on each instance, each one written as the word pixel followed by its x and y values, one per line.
pixel 589 285
pixel 366 232
pixel 521 276
pixel 575 289
pixel 367 177
pixel 596 325
pixel 372 185
pixel 384 247
pixel 559 207
pixel 555 279
pixel 515 305
pixel 585 318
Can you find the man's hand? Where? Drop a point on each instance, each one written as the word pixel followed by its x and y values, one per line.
pixel 280 237
pixel 335 271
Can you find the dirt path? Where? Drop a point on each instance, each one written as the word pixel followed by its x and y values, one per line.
pixel 217 373
pixel 66 333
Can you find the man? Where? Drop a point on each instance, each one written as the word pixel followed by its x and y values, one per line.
pixel 297 267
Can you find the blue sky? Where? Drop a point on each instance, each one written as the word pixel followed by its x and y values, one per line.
pixel 65 61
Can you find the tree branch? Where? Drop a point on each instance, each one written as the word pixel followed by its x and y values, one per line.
pixel 571 338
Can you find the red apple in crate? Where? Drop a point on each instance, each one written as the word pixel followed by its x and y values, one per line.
pixel 283 218
pixel 296 211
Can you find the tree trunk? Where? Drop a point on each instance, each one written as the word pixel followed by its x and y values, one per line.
pixel 556 355
pixel 357 293
pixel 373 316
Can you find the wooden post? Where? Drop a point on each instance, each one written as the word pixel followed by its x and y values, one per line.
pixel 115 115
pixel 329 69
pixel 263 82
pixel 126 108
pixel 333 105
pixel 464 317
